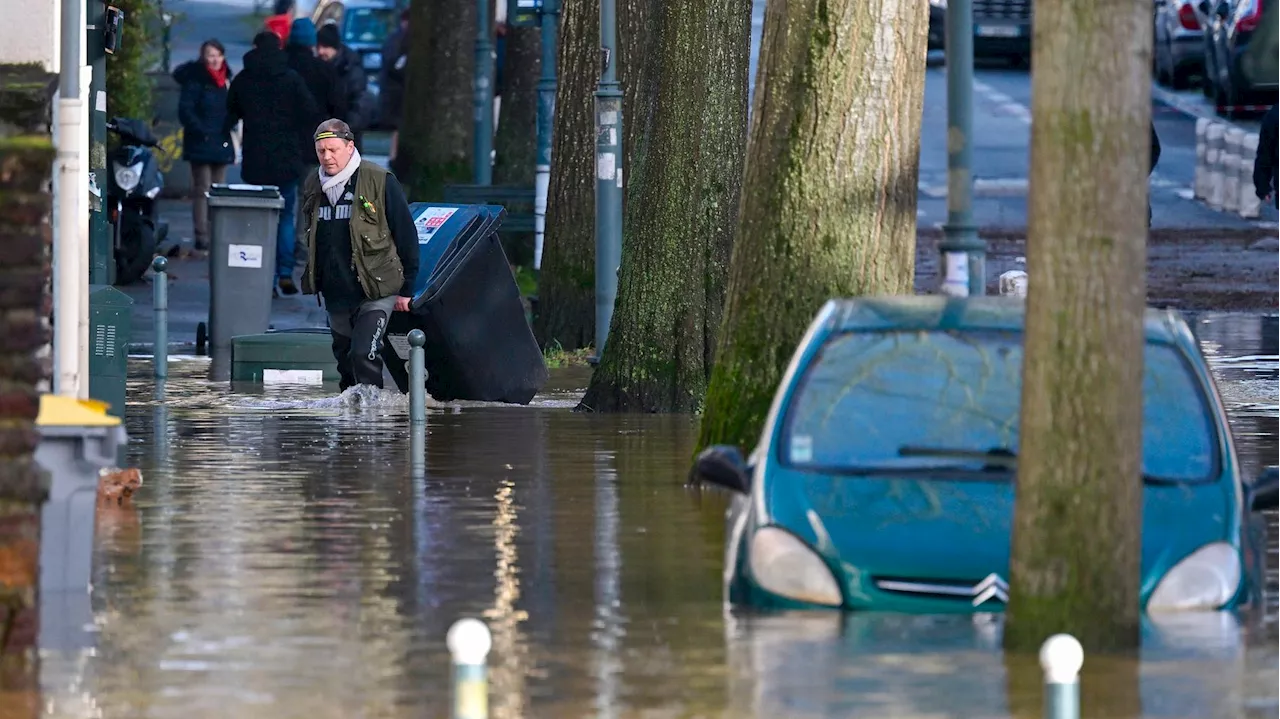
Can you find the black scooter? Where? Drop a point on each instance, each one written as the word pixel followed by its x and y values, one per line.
pixel 135 183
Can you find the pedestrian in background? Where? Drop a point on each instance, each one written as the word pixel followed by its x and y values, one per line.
pixel 395 57
pixel 280 20
pixel 352 80
pixel 274 102
pixel 322 81
pixel 1266 184
pixel 363 248
pixel 206 142
pixel 1155 157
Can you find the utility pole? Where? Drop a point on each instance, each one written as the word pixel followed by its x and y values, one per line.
pixel 963 253
pixel 608 175
pixel 550 19
pixel 483 160
pixel 101 253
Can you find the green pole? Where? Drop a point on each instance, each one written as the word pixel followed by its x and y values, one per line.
pixel 483 161
pixel 608 175
pixel 963 254
pixel 550 20
pixel 101 255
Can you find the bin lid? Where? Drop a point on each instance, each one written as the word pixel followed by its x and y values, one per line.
pixel 59 411
pixel 242 190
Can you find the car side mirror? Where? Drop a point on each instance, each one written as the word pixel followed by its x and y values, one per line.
pixel 1265 490
pixel 722 465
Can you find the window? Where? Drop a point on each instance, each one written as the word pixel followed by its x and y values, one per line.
pixel 367 25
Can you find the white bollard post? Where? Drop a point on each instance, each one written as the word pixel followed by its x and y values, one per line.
pixel 1200 186
pixel 1013 283
pixel 469 642
pixel 1213 152
pixel 1250 205
pixel 1230 160
pixel 1061 657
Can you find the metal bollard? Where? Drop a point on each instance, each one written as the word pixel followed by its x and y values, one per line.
pixel 1230 161
pixel 417 377
pixel 1212 159
pixel 160 303
pixel 1200 186
pixel 1250 205
pixel 469 641
pixel 1061 657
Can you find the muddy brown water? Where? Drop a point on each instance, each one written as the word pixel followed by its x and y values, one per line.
pixel 286 558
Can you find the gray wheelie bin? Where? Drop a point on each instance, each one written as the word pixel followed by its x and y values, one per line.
pixel 242 260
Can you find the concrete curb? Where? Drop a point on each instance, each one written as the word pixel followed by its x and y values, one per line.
pixel 1224 168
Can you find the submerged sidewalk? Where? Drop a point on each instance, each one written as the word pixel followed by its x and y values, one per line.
pixel 189 295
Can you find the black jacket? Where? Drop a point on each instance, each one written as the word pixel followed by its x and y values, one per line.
pixel 395 57
pixel 1155 149
pixel 1265 178
pixel 276 106
pixel 202 110
pixel 322 82
pixel 354 84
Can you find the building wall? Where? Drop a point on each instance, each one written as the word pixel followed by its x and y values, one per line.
pixel 31 36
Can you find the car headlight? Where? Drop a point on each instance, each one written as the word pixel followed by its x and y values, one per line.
pixel 786 566
pixel 373 61
pixel 1205 579
pixel 128 177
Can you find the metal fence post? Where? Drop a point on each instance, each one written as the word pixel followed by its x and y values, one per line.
pixel 550 19
pixel 963 253
pixel 483 95
pixel 608 175
pixel 1061 657
pixel 160 304
pixel 469 641
pixel 417 377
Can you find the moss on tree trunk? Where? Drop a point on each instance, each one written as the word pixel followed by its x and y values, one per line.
pixel 437 130
pixel 829 195
pixel 682 210
pixel 516 140
pixel 1077 531
pixel 566 303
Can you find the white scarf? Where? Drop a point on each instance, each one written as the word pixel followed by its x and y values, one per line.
pixel 333 186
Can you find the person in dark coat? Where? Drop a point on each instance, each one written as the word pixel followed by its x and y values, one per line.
pixel 206 143
pixel 1266 181
pixel 351 77
pixel 395 58
pixel 322 81
pixel 1155 157
pixel 274 103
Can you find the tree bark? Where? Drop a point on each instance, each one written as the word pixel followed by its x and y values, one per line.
pixel 566 303
pixel 682 213
pixel 829 194
pixel 26 159
pixel 516 139
pixel 437 129
pixel 1077 535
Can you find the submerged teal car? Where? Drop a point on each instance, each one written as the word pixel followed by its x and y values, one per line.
pixel 884 478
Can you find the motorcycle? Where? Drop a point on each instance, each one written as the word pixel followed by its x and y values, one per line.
pixel 135 182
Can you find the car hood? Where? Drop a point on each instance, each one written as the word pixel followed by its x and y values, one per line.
pixel 957 531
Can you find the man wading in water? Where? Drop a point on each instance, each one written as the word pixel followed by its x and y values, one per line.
pixel 362 251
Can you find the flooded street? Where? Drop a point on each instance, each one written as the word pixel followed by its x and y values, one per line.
pixel 286 558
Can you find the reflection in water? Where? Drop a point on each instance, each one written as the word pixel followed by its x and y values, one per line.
pixel 296 553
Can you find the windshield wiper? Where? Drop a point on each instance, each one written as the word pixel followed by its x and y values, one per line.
pixel 996 458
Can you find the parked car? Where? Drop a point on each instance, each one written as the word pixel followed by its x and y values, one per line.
pixel 1240 57
pixel 363 26
pixel 884 476
pixel 1179 43
pixel 1001 28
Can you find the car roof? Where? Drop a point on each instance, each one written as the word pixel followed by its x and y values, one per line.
pixel 940 312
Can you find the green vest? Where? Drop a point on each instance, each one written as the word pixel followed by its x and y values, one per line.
pixel 373 249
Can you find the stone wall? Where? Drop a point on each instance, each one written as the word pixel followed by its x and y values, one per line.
pixel 26 162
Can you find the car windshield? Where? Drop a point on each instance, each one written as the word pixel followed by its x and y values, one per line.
pixel 922 399
pixel 367 25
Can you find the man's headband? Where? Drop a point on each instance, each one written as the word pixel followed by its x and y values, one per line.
pixel 339 134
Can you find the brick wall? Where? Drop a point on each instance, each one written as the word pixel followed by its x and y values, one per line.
pixel 26 161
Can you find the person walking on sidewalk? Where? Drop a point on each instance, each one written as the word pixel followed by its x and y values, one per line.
pixel 1266 182
pixel 346 63
pixel 280 20
pixel 363 250
pixel 206 143
pixel 322 81
pixel 395 57
pixel 274 102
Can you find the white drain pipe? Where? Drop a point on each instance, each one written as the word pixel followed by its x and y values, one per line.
pixel 71 206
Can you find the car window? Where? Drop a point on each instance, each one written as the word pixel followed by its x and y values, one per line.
pixel 367 25
pixel 868 394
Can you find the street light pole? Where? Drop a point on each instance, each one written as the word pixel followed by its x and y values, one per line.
pixel 608 175
pixel 550 19
pixel 483 95
pixel 963 253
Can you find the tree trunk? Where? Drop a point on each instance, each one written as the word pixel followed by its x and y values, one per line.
pixel 27 149
pixel 437 130
pixel 829 195
pixel 516 139
pixel 1077 534
pixel 566 303
pixel 683 211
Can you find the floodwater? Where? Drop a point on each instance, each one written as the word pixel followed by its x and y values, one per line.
pixel 286 558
